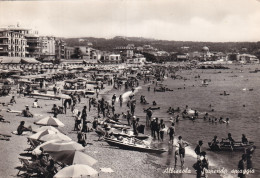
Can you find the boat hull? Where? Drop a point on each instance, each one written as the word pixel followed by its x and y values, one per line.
pixel 133 147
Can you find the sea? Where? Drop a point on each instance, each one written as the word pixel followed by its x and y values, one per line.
pixel 241 106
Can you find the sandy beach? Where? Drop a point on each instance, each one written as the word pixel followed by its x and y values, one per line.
pixel 124 163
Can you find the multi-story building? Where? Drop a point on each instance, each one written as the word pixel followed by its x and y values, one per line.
pixel 33 47
pixel 12 44
pixel 47 47
pixel 69 51
pixel 126 51
pixel 60 49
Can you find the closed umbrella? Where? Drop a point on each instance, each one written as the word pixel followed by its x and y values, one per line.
pixel 62 146
pixel 76 171
pixel 50 121
pixel 70 157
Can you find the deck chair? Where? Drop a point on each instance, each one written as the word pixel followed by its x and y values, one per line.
pixel 33 144
pixel 26 168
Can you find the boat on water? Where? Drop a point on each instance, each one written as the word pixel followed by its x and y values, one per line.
pixel 133 146
pixel 227 146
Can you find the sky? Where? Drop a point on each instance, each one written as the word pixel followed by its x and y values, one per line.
pixel 179 20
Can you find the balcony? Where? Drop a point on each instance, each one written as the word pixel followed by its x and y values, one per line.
pixel 4 44
pixel 4 37
pixel 33 41
pixel 4 51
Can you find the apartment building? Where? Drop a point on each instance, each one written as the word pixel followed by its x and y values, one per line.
pixel 47 47
pixel 33 47
pixel 60 49
pixel 12 44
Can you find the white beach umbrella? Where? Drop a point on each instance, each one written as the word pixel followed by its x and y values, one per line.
pixel 77 171
pixel 46 128
pixel 38 135
pixel 56 136
pixel 50 121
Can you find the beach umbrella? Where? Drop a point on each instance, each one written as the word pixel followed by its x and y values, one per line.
pixel 50 121
pixel 62 146
pixel 37 150
pixel 38 135
pixel 46 128
pixel 56 136
pixel 70 157
pixel 77 171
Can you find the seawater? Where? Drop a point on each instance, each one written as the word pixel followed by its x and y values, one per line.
pixel 241 106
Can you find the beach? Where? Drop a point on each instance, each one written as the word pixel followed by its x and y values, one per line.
pixel 127 163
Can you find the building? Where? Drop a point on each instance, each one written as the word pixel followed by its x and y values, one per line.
pixel 69 51
pixel 47 47
pixel 60 49
pixel 12 44
pixel 137 59
pixel 247 58
pixel 126 52
pixel 111 58
pixel 33 46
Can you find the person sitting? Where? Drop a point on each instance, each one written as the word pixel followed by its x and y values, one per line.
pixel 215 143
pixel 231 140
pixel 35 104
pixel 21 128
pixel 244 139
pixel 55 110
pixel 51 169
pixel 154 103
pixel 12 101
pixel 82 139
pixel 26 112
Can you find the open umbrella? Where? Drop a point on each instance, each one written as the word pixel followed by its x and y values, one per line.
pixel 70 157
pixel 77 170
pixel 37 150
pixel 56 136
pixel 50 121
pixel 40 134
pixel 62 146
pixel 46 128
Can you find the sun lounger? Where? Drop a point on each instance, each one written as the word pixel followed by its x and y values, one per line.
pixel 28 170
pixel 33 144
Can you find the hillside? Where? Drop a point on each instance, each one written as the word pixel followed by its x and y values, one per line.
pixel 169 46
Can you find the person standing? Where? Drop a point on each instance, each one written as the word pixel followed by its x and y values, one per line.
pixel 162 126
pixel 198 149
pixel 171 132
pixel 182 144
pixel 120 100
pixel 149 114
pixel 242 167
